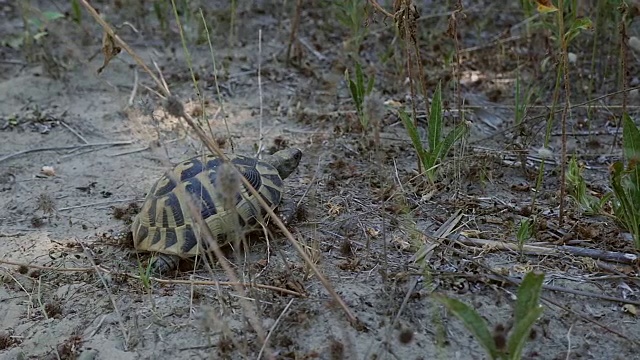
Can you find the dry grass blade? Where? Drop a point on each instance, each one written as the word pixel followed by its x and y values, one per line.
pixel 443 231
pixel 123 329
pixel 109 49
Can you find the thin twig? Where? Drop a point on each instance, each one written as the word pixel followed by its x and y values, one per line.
pixel 315 52
pixel 125 334
pixel 134 91
pixel 379 8
pixel 107 202
pixel 569 343
pixel 128 152
pixel 564 58
pixel 74 132
pixel 155 279
pixel 517 282
pixel 294 29
pixel 623 258
pixel 275 324
pixel 68 147
pixel 261 133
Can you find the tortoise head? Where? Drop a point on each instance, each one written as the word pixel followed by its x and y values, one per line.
pixel 285 161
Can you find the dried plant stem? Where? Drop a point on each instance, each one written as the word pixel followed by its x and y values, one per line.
pixel 158 280
pixel 294 29
pixel 622 34
pixel 565 111
pixel 380 9
pixel 261 110
pixel 403 16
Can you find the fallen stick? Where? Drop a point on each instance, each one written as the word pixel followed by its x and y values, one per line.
pixel 623 258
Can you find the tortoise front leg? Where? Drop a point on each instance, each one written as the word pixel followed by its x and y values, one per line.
pixel 164 263
pixel 287 211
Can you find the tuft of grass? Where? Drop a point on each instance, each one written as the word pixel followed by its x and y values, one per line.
pixel 360 88
pixel 35 25
pixel 351 13
pixel 577 189
pixel 626 181
pixel 503 344
pixel 439 144
pixel 145 274
pixel 525 232
pixel 522 101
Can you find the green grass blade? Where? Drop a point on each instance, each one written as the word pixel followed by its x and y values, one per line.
pixel 359 80
pixel 412 130
pixel 630 139
pixel 76 11
pixel 435 120
pixel 52 15
pixel 631 148
pixel 370 85
pixel 355 94
pixel 445 145
pixel 473 322
pixel 518 104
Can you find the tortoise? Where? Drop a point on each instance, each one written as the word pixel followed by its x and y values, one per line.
pixel 165 224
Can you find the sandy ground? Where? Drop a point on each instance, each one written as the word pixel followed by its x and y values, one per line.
pixel 104 153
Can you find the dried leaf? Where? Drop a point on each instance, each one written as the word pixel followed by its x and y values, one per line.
pixel 109 49
pixel 406 18
pixel 546 6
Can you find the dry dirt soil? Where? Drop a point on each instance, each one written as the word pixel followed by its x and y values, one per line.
pixel 79 150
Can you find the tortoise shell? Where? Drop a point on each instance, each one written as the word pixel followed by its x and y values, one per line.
pixel 165 224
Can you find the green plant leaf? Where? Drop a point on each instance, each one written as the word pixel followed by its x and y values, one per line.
pixel 40 35
pixel 415 137
pixel 473 322
pixel 577 27
pixel 626 184
pixel 527 311
pixel 52 15
pixel 528 295
pixel 445 146
pixel 359 81
pixel 524 232
pixel 630 139
pixel 435 119
pixel 631 149
pixel 583 24
pixel 355 94
pixel 370 85
pixel 76 11
pixel 520 333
